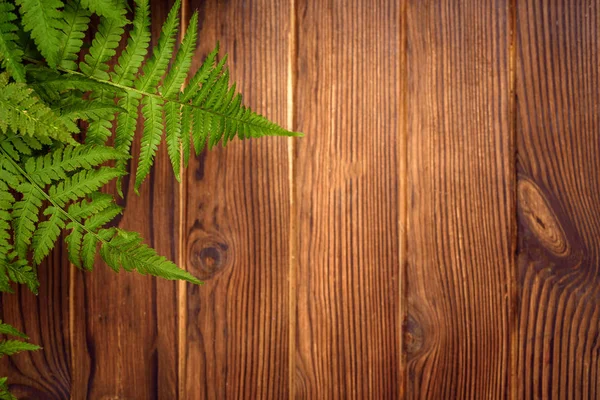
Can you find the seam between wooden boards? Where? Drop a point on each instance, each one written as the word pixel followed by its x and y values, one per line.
pixel 293 228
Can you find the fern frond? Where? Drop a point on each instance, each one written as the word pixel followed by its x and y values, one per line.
pixel 183 61
pixel 76 108
pixel 126 250
pixel 6 329
pixel 24 113
pixel 11 55
pixel 20 271
pixel 157 64
pixel 99 130
pixel 53 86
pixel 132 57
pixel 74 24
pixel 10 347
pixel 81 183
pixel 25 217
pixel 43 19
pixel 55 166
pixel 110 9
pixel 126 126
pixel 151 137
pixel 4 392
pixel 173 139
pixel 46 234
pixel 103 47
pixel 202 74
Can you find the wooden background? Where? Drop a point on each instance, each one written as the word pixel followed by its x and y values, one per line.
pixel 435 235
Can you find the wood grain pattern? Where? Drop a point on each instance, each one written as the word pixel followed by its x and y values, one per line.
pixel 237 220
pixel 44 374
pixel 347 100
pixel 461 227
pixel 558 196
pixel 125 326
pixel 435 235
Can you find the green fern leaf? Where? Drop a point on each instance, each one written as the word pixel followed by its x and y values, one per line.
pixel 55 166
pixel 126 127
pixel 74 24
pixel 75 108
pixel 173 139
pixel 53 86
pixel 110 9
pixel 6 329
pixel 151 138
pixel 126 250
pixel 11 54
pixel 43 19
pixel 99 131
pixel 103 48
pixel 81 184
pixel 186 126
pixel 157 64
pixel 24 113
pixel 46 234
pixel 20 271
pixel 132 57
pixel 4 392
pixel 202 75
pixel 183 61
pixel 73 241
pixel 25 217
pixel 10 347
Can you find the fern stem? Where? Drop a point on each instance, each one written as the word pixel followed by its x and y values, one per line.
pixel 159 97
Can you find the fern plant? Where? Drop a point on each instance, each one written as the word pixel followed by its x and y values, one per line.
pixel 52 170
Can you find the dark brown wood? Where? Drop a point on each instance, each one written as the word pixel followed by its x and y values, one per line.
pixel 348 102
pixel 237 220
pixel 44 374
pixel 558 126
pixel 125 341
pixel 461 213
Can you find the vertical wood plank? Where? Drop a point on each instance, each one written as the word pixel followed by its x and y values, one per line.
pixel 237 219
pixel 461 213
pixel 44 374
pixel 125 326
pixel 558 125
pixel 348 102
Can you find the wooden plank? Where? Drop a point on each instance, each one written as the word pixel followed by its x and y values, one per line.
pixel 348 101
pixel 124 332
pixel 461 213
pixel 559 207
pixel 237 219
pixel 45 374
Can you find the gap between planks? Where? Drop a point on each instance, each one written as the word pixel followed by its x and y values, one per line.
pixel 181 285
pixel 293 227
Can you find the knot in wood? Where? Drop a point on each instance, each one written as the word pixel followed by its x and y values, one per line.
pixel 541 220
pixel 208 257
pixel 413 335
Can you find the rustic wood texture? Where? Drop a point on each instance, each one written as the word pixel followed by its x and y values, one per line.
pixel 461 215
pixel 433 236
pixel 558 126
pixel 347 100
pixel 237 220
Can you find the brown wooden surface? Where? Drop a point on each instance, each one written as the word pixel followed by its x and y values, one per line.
pixel 236 223
pixel 434 236
pixel 346 333
pixel 460 217
pixel 558 126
